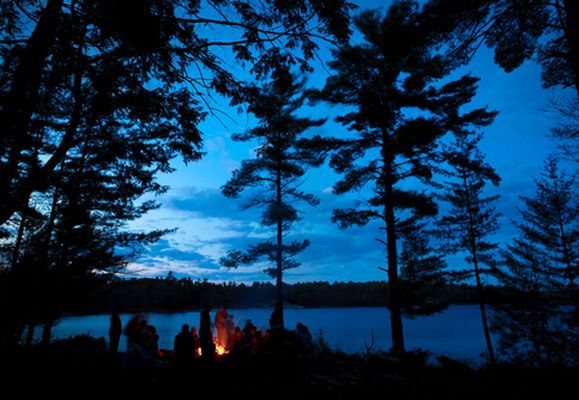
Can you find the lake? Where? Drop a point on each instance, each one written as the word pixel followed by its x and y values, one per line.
pixel 456 332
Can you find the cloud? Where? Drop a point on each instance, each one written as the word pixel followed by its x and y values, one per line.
pixel 209 225
pixel 217 146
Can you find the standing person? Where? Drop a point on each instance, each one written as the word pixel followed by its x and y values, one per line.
pixel 132 329
pixel 142 335
pixel 248 333
pixel 115 332
pixel 305 338
pixel 136 355
pixel 276 319
pixel 195 339
pixel 152 345
pixel 183 347
pixel 276 326
pixel 205 335
pixel 230 329
pixel 235 340
pixel 221 326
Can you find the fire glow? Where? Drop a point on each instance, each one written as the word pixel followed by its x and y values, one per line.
pixel 219 349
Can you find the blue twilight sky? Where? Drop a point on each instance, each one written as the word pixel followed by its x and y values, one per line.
pixel 209 224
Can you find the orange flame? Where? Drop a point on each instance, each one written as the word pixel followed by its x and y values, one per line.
pixel 219 349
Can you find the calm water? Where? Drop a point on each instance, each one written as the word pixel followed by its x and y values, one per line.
pixel 455 332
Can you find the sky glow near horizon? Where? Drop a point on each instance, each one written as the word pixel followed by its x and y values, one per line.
pixel 209 224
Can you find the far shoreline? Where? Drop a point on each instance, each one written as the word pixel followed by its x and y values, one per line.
pixel 198 309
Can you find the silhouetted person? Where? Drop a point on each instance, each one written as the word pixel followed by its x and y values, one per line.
pixel 132 328
pixel 230 327
pixel 152 341
pixel 276 326
pixel 221 326
pixel 246 337
pixel 305 337
pixel 195 339
pixel 115 332
pixel 236 339
pixel 183 347
pixel 249 331
pixel 142 334
pixel 137 355
pixel 276 319
pixel 205 335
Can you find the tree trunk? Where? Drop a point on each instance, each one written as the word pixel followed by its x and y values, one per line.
pixel 47 332
pixel 44 250
pixel 21 100
pixel 279 249
pixel 569 267
pixel 30 335
pixel 19 236
pixel 483 314
pixel 17 197
pixel 393 282
pixel 474 254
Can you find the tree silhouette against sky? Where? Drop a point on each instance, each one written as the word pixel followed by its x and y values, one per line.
pixel 398 111
pixel 274 176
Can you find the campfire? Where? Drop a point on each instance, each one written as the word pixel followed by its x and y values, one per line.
pixel 219 349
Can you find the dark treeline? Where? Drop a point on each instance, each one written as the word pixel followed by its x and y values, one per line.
pixel 177 294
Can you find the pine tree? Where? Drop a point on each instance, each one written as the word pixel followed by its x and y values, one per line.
pixel 551 223
pixel 74 239
pixel 97 97
pixel 471 218
pixel 398 113
pixel 273 176
pixel 540 266
pixel 517 30
pixel 56 55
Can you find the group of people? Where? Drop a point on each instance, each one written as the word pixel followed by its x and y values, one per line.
pixel 142 342
pixel 190 343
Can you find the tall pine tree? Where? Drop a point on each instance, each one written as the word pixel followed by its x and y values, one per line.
pixel 399 109
pixel 540 267
pixel 282 158
pixel 471 218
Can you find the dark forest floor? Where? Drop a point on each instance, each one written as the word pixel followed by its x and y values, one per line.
pixel 283 374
